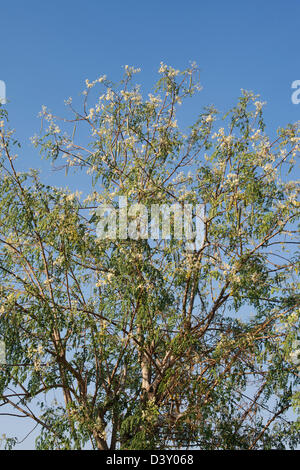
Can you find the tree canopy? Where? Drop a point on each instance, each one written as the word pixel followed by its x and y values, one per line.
pixel 146 343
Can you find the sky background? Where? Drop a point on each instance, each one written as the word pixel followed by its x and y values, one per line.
pixel 48 49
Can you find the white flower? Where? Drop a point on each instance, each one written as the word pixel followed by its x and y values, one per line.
pixel 232 177
pixel 89 84
pixel 109 95
pixel 40 349
pixel 101 79
pixel 258 105
pixel 91 113
pixel 58 261
pixel 162 68
pixel 209 118
pixel 268 167
pixel 56 129
pixel 154 99
pixel 236 278
pixel 295 354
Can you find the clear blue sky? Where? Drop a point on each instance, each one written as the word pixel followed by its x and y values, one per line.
pixel 48 49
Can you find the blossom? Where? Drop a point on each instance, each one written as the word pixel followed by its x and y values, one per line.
pixel 233 178
pixel 268 167
pixel 154 99
pixel 101 79
pixel 89 84
pixel 258 105
pixel 209 118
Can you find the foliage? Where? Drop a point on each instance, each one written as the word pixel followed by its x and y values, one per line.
pixel 149 345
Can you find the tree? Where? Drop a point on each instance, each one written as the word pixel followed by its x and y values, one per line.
pixel 150 344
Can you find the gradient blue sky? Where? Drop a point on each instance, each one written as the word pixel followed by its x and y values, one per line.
pixel 48 49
